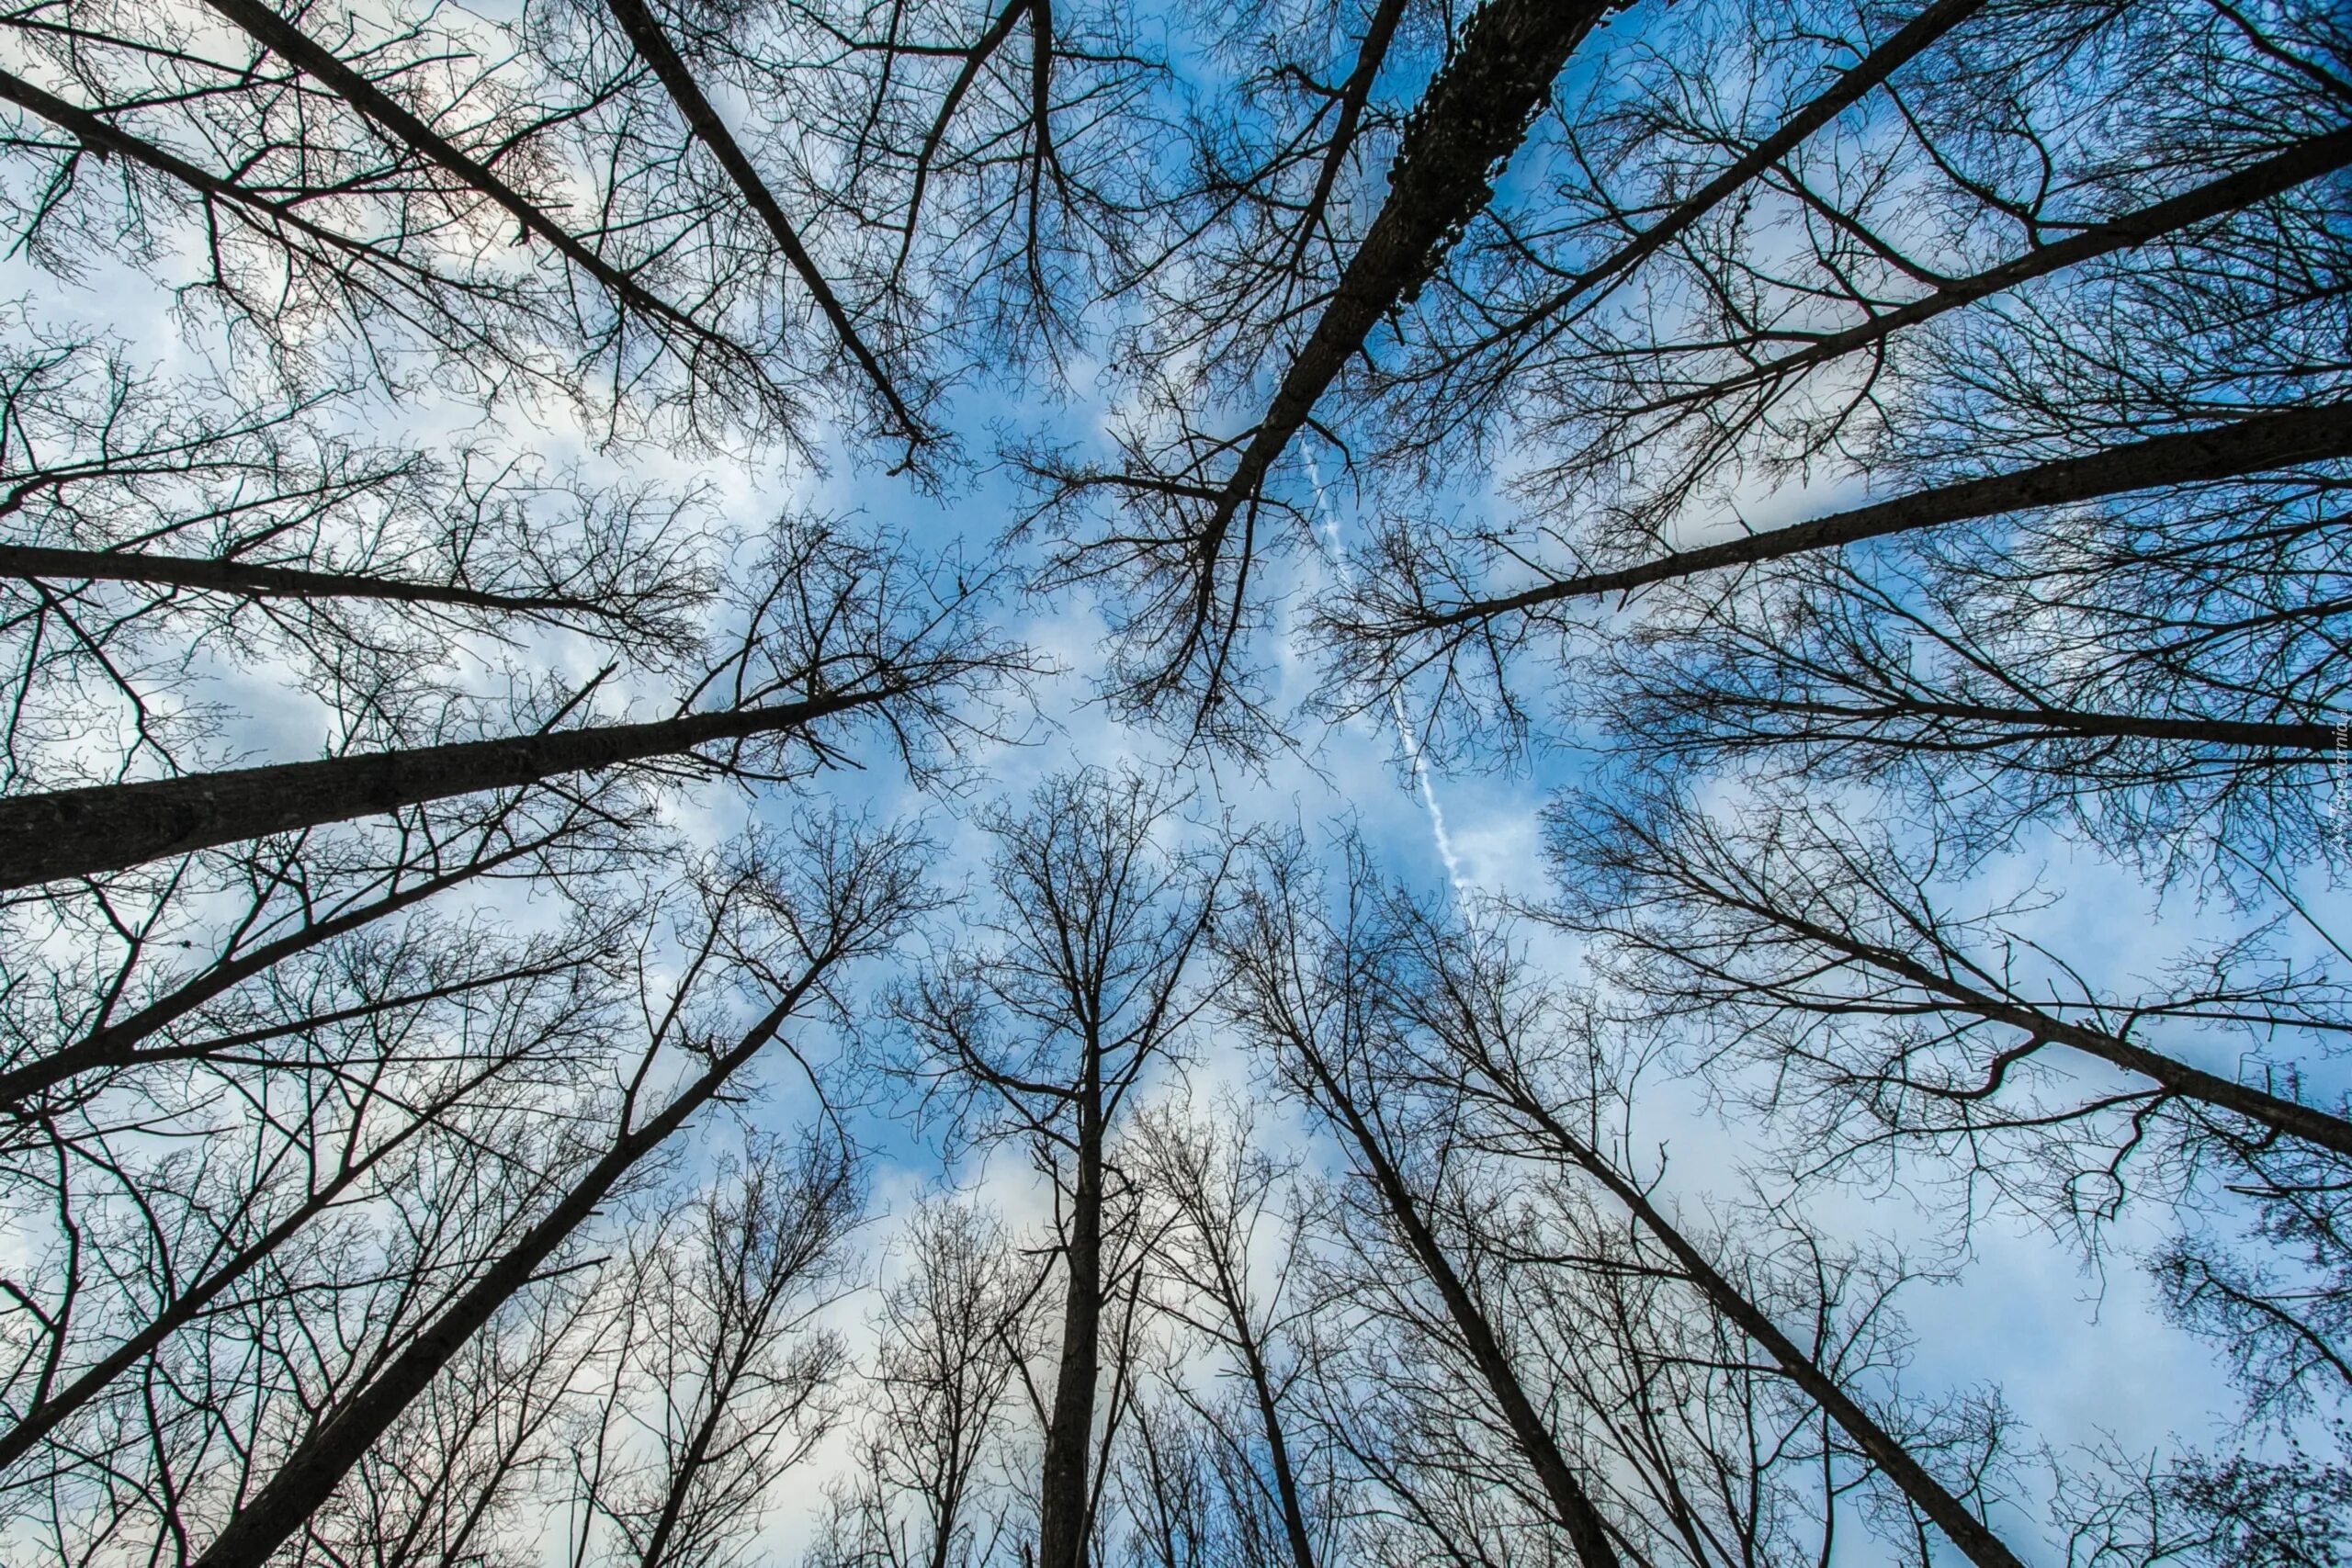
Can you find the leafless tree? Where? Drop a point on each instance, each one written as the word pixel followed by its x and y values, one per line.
pixel 1230 1258
pixel 1041 1031
pixel 763 939
pixel 832 626
pixel 932 1486
pixel 720 1382
pixel 1297 980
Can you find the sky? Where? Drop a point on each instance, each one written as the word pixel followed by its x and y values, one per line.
pixel 2080 1352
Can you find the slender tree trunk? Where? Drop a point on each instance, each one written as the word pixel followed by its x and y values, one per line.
pixel 2291 1117
pixel 268 582
pixel 1471 120
pixel 2241 734
pixel 1069 1434
pixel 2299 165
pixel 653 46
pixel 2252 445
pixel 274 31
pixel 112 1043
pixel 1873 68
pixel 314 1471
pixel 1302 1549
pixel 1963 1529
pixel 81 832
pixel 1573 1509
pixel 20 1085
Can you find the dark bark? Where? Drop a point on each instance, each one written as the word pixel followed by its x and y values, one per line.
pixel 103 138
pixel 314 1471
pixel 2299 165
pixel 1473 118
pixel 653 46
pixel 2257 444
pixel 113 1043
pixel 2013 724
pixel 190 1304
pixel 1262 1393
pixel 1929 1497
pixel 1064 1496
pixel 2040 1026
pixel 271 582
pixel 81 832
pixel 274 31
pixel 2291 1117
pixel 1353 94
pixel 1573 1509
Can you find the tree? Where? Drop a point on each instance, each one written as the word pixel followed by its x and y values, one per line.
pixel 1297 982
pixel 1043 1033
pixel 838 629
pixel 721 1383
pixel 779 920
pixel 1230 1260
pixel 955 1332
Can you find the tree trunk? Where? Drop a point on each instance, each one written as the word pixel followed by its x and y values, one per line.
pixel 189 1304
pixel 268 582
pixel 1573 1509
pixel 2252 445
pixel 2241 734
pixel 2304 161
pixel 1929 1495
pixel 274 31
pixel 1069 1434
pixel 1471 120
pixel 314 1471
pixel 1302 1549
pixel 653 46
pixel 111 1045
pixel 1881 62
pixel 80 832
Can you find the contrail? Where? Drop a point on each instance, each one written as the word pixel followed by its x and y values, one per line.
pixel 1337 552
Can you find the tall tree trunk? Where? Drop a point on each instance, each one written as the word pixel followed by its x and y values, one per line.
pixel 2252 445
pixel 653 46
pixel 1302 1549
pixel 314 1471
pixel 80 832
pixel 274 31
pixel 270 581
pixel 2291 1117
pixel 1070 1433
pixel 1571 1507
pixel 1471 120
pixel 189 1304
pixel 1867 72
pixel 1929 1497
pixel 2033 722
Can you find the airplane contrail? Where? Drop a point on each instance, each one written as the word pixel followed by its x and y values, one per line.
pixel 1337 550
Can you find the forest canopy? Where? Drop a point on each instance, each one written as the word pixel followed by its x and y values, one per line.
pixel 727 729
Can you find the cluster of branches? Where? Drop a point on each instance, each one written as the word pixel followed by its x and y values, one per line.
pixel 1485 1336
pixel 342 1173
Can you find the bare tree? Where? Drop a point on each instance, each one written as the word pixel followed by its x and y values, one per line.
pixel 1298 983
pixel 1230 1258
pixel 1181 558
pixel 955 1332
pixel 838 629
pixel 775 924
pixel 1042 1032
pixel 724 1382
